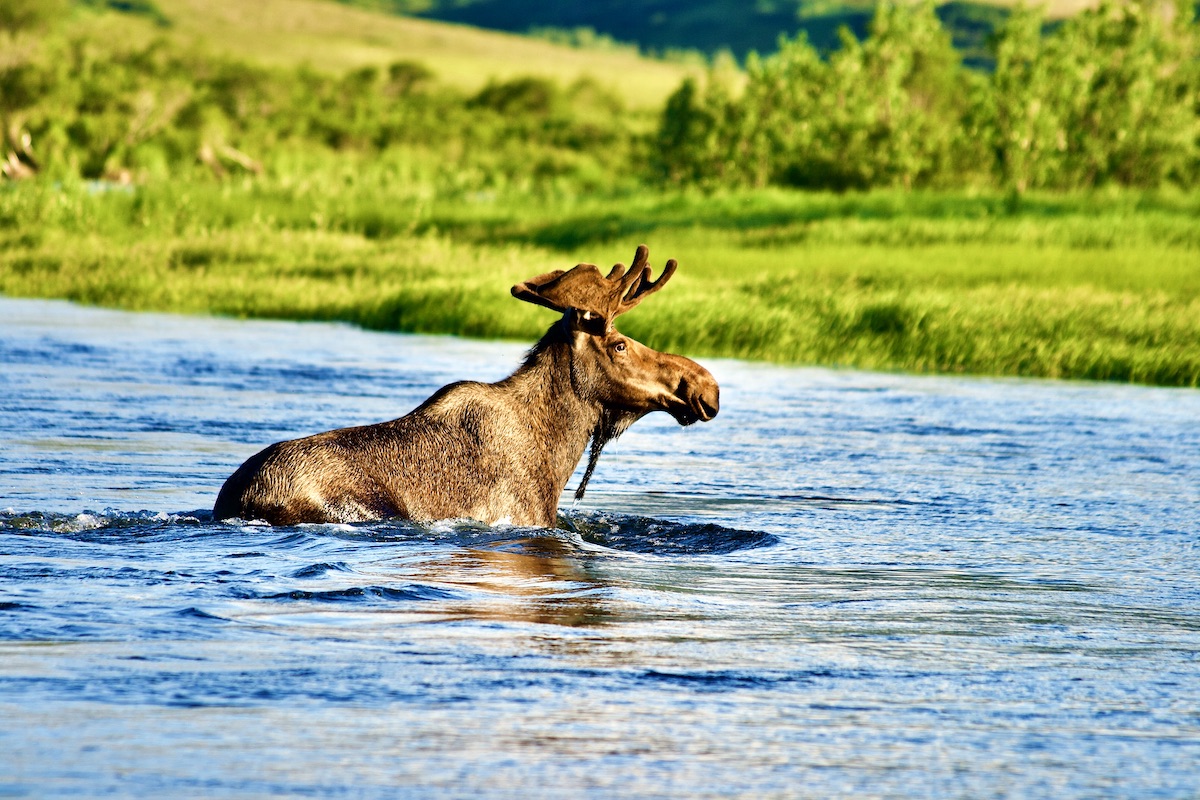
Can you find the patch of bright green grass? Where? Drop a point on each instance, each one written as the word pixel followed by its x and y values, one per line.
pixel 1102 287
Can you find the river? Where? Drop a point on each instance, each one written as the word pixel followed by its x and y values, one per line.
pixel 849 584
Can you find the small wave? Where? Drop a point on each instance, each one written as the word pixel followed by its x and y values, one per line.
pixel 12 606
pixel 98 521
pixel 719 680
pixel 359 594
pixel 296 537
pixel 318 570
pixel 191 612
pixel 661 537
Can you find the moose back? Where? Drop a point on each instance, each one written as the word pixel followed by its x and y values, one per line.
pixel 494 452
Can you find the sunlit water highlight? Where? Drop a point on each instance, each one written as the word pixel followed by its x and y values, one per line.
pixel 848 584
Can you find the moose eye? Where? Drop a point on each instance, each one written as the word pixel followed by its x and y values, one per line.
pixel 619 347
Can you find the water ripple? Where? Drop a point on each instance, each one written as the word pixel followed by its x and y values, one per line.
pixel 662 537
pixel 359 594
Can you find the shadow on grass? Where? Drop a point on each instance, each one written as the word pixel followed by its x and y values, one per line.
pixel 767 214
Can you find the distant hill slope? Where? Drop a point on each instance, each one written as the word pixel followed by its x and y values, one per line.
pixel 709 26
pixel 336 36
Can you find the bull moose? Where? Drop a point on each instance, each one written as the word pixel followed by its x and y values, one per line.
pixel 493 452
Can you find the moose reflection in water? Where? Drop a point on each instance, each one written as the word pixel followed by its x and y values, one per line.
pixel 537 579
pixel 490 451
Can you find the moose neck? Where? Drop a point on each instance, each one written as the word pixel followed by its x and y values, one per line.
pixel 559 416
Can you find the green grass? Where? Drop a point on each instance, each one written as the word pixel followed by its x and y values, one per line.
pixel 1101 287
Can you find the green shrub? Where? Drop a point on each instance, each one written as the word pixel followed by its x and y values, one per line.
pixel 1111 96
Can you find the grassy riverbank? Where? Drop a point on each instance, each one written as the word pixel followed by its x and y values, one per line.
pixel 1102 287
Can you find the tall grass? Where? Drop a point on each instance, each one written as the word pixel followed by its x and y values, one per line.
pixel 1102 286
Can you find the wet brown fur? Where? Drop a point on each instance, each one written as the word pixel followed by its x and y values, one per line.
pixel 488 451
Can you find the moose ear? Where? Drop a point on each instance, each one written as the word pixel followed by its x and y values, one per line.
pixel 589 322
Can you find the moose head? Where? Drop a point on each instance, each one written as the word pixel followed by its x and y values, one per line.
pixel 617 370
pixel 627 378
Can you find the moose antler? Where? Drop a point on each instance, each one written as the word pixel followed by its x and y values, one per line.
pixel 584 288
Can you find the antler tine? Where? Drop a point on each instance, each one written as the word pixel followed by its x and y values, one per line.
pixel 640 266
pixel 643 286
pixel 621 279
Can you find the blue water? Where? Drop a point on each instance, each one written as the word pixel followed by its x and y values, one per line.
pixel 847 585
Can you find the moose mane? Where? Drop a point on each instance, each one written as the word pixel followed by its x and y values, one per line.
pixel 611 422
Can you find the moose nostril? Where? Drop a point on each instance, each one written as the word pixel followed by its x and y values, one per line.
pixel 709 407
pixel 701 395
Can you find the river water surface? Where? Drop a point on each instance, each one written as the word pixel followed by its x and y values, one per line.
pixel 847 585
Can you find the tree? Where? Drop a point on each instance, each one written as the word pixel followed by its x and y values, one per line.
pixel 18 16
pixel 1023 121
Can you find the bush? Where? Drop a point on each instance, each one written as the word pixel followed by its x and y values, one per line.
pixel 1110 96
pixel 95 111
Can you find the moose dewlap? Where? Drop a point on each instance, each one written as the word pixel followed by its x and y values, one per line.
pixel 490 451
